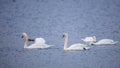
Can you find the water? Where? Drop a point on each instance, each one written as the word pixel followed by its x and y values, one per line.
pixel 50 19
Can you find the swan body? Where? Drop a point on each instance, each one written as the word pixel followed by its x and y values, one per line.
pixel 105 42
pixel 89 39
pixel 42 46
pixel 39 43
pixel 77 46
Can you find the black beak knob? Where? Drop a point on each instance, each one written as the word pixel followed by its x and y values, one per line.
pixel 22 36
pixel 63 36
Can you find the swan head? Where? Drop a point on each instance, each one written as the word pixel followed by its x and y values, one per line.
pixel 64 35
pixel 83 39
pixel 23 35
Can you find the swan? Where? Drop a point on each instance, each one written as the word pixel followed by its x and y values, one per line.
pixel 89 39
pixel 39 42
pixel 77 46
pixel 105 42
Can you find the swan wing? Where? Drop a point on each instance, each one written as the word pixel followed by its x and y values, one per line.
pixel 45 46
pixel 40 41
pixel 88 39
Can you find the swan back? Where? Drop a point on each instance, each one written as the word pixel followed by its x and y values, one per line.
pixel 105 41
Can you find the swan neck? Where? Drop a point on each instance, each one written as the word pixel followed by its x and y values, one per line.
pixel 26 41
pixel 94 38
pixel 66 42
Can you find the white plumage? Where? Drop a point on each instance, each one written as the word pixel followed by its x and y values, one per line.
pixel 89 40
pixel 77 46
pixel 39 43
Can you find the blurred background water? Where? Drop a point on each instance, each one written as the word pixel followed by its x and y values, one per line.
pixel 50 19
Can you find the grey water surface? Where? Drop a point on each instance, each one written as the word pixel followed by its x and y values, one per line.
pixel 49 19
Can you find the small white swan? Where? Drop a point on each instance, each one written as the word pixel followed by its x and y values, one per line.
pixel 74 46
pixel 39 42
pixel 105 42
pixel 89 39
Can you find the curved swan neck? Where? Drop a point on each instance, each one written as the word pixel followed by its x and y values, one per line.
pixel 66 42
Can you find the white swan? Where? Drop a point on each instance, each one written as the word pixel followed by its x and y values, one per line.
pixel 89 39
pixel 39 42
pixel 74 46
pixel 105 42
